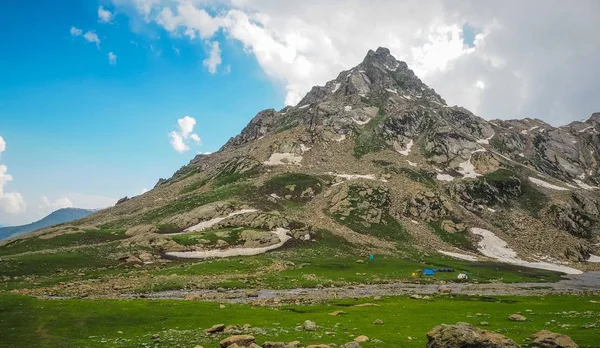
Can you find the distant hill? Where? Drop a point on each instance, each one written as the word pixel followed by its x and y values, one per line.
pixel 58 217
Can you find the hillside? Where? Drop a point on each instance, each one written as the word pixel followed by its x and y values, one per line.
pixel 374 162
pixel 57 217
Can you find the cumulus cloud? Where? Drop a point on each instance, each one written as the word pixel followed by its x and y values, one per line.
pixel 75 31
pixel 112 58
pixel 46 204
pixel 214 58
pixel 10 202
pixel 104 15
pixel 550 72
pixel 185 128
pixel 92 37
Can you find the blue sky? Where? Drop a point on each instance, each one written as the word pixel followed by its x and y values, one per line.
pixel 76 125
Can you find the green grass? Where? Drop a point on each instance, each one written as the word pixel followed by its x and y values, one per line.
pixel 77 238
pixel 48 264
pixel 458 239
pixel 229 235
pixel 30 322
pixel 420 175
pixel 367 139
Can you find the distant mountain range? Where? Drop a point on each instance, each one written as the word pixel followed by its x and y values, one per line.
pixel 58 217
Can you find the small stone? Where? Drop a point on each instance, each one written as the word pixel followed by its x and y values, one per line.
pixel 310 326
pixel 360 261
pixel 155 336
pixel 517 317
pixel 378 322
pixel 484 323
pixel 361 339
pixel 336 313
pixel 351 345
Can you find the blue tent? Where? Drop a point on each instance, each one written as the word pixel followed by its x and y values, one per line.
pixel 428 272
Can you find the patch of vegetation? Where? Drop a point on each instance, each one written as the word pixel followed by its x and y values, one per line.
pixel 188 203
pixel 168 228
pixel 367 139
pixel 32 322
pixel 295 187
pixel 424 177
pixel 229 235
pixel 530 198
pixel 67 239
pixel 194 186
pixel 460 240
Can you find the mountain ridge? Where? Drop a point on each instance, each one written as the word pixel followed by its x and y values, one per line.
pixel 378 159
pixel 56 217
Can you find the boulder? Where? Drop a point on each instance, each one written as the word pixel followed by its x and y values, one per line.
pixel 463 335
pixel 548 339
pixel 352 344
pixel 239 340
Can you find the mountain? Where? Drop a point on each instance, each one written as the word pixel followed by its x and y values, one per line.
pixel 58 217
pixel 378 160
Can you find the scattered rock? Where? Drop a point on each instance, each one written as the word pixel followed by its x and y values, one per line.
pixel 361 339
pixel 517 317
pixel 215 329
pixel 464 335
pixel 444 290
pixel 336 313
pixel 239 340
pixel 353 344
pixel 318 346
pixel 378 322
pixel 548 339
pixel 484 323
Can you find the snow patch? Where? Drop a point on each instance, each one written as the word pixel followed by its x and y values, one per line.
pixel 548 185
pixel 594 259
pixel 390 69
pixel 415 222
pixel 304 148
pixel 392 90
pixel 336 87
pixel 283 158
pixel 304 106
pixel 485 141
pixel 409 146
pixel 280 232
pixel 347 108
pixel 521 155
pixel 584 186
pixel 574 141
pixel 492 246
pixel 458 256
pixel 204 225
pixel 406 97
pixel 412 164
pixel 467 169
pixel 585 129
pixel 491 210
pixel 353 176
pixel 444 177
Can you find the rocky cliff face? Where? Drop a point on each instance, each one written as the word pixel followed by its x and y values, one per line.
pixel 378 157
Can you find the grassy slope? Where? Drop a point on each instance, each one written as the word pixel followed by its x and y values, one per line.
pixel 131 323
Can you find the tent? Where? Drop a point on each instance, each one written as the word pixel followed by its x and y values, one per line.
pixel 463 276
pixel 428 272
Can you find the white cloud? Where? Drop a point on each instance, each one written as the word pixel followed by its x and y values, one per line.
pixel 479 84
pixel 196 138
pixel 144 190
pixel 185 131
pixel 214 58
pixel 551 76
pixel 112 58
pixel 10 202
pixel 104 15
pixel 76 31
pixel 90 201
pixel 177 142
pixel 92 37
pixel 63 202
